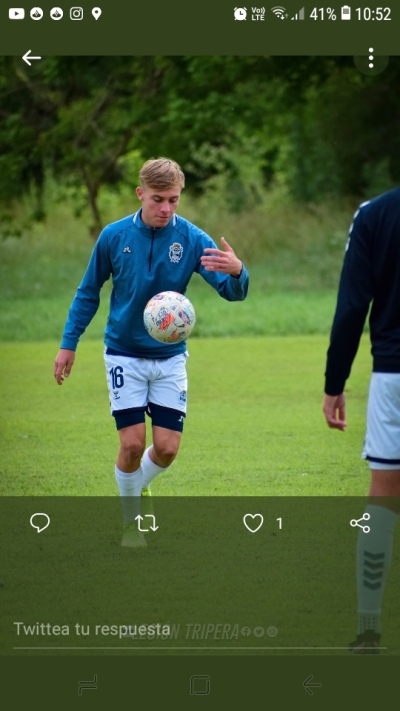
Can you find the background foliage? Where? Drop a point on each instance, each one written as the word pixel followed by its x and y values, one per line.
pixel 313 127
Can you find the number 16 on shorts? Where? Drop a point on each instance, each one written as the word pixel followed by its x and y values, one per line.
pixel 117 379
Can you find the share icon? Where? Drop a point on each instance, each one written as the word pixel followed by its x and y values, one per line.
pixel 356 522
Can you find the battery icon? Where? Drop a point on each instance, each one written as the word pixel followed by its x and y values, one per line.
pixel 345 12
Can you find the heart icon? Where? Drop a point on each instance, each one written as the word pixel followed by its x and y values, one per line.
pixel 252 525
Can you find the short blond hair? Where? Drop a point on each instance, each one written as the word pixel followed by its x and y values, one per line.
pixel 161 174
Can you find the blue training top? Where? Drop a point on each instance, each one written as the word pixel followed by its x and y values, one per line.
pixel 142 262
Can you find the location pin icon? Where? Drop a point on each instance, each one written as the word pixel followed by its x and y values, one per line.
pixel 96 12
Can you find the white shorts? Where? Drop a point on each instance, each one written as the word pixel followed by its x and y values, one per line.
pixel 139 385
pixel 382 439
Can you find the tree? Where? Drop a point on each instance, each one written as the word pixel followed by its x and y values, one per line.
pixel 315 124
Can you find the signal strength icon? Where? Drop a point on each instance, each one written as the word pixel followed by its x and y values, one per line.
pixel 279 12
pixel 299 15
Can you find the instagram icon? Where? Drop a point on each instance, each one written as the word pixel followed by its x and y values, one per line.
pixel 76 13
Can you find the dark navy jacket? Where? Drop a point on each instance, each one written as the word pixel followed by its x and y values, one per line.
pixel 370 274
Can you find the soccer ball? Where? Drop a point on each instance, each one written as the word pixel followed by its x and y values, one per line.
pixel 169 317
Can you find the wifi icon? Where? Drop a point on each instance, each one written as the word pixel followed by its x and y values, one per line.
pixel 279 12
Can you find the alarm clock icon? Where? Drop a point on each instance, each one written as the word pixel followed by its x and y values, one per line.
pixel 240 13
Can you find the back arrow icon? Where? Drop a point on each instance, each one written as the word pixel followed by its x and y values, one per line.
pixel 308 685
pixel 27 57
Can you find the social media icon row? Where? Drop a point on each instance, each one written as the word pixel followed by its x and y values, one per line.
pixel 56 13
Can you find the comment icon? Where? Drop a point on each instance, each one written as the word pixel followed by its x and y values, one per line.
pixel 40 521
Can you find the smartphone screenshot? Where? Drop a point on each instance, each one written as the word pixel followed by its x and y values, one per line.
pixel 200 349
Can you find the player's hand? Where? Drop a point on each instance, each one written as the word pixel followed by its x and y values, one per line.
pixel 222 260
pixel 334 408
pixel 63 365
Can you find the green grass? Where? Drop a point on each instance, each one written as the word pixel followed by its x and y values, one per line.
pixel 261 314
pixel 255 428
pixel 256 369
pixel 202 566
pixel 293 256
pixel 254 424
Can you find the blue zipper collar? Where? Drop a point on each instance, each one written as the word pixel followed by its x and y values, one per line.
pixel 138 222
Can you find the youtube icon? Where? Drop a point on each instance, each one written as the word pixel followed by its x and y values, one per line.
pixel 16 13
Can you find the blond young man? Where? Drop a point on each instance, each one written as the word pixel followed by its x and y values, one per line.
pixel 151 251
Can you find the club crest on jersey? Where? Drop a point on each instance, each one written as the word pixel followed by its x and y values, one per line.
pixel 175 252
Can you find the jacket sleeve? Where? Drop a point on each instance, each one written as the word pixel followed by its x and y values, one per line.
pixel 229 287
pixel 87 298
pixel 354 297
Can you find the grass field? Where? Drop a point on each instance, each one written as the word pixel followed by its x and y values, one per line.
pixel 293 255
pixel 254 429
pixel 254 424
pixel 272 591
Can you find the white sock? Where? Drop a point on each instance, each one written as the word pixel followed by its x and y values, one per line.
pixel 130 487
pixel 374 555
pixel 149 469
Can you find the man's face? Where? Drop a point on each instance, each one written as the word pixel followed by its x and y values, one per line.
pixel 158 206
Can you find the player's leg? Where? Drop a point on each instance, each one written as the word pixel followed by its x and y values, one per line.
pixel 165 444
pixel 167 409
pixel 127 384
pixel 156 460
pixel 132 441
pixel 385 488
pixel 374 549
pixel 128 475
pixel 374 555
